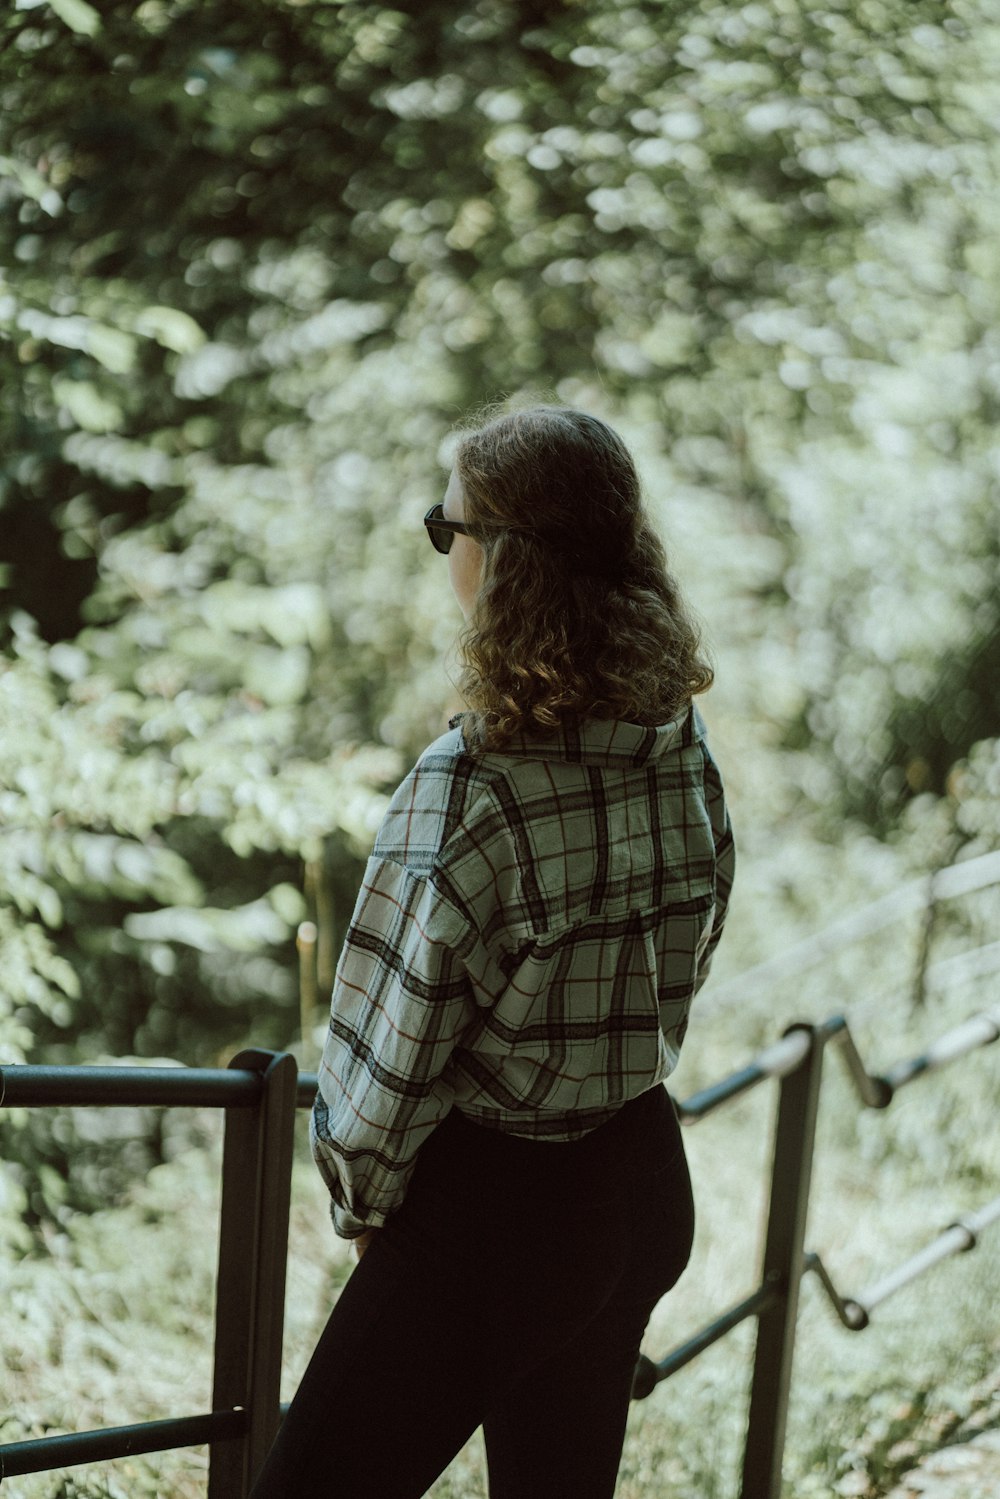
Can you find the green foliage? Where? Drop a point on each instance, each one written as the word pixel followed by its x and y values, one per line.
pixel 257 266
pixel 256 259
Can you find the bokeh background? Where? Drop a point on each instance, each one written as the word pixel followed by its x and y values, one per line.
pixel 257 259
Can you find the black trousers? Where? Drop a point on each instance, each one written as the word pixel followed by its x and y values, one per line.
pixel 510 1290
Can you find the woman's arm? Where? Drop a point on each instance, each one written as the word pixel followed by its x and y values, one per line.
pixel 401 1001
pixel 362 1242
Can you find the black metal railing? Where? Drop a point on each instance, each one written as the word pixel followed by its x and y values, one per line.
pixel 260 1092
pixel 797 1061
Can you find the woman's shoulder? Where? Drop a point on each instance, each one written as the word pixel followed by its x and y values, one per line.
pixel 449 744
pixel 433 801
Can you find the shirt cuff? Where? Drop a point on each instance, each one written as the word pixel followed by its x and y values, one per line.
pixel 347 1226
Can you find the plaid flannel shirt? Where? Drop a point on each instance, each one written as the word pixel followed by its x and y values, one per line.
pixel 530 931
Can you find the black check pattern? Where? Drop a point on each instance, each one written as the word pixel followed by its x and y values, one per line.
pixel 529 935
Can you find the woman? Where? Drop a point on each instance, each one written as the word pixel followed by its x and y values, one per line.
pixel 541 905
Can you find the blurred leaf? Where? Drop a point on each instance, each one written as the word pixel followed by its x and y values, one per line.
pixel 87 406
pixel 112 348
pixel 31 183
pixel 241 929
pixel 170 327
pixel 78 15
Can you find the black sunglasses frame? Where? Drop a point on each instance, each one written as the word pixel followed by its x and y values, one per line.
pixel 441 531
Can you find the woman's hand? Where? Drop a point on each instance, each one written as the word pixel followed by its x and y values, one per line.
pixel 362 1242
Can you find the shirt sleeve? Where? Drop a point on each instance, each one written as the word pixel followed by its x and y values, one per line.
pixel 401 999
pixel 725 863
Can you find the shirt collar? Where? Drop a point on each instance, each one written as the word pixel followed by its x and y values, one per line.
pixel 606 741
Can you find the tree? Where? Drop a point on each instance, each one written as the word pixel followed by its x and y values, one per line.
pixel 265 253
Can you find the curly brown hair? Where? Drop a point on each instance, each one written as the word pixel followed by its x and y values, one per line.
pixel 577 613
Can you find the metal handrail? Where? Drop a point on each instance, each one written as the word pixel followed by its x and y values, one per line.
pixel 776 1060
pixel 797 1060
pixel 649 1374
pixel 979 1030
pixel 854 926
pixel 958 1238
pixel 25 1086
pixel 260 1093
pixel 41 1454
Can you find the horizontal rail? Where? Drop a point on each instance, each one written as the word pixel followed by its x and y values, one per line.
pixel 946 973
pixel 854 926
pixel 44 1453
pixel 206 1087
pixel 774 1061
pixel 874 1090
pixel 649 1373
pixel 978 1030
pixel 957 1238
pixel 974 963
pixel 23 1086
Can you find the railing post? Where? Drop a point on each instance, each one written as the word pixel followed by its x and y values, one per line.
pixel 250 1290
pixel 791 1170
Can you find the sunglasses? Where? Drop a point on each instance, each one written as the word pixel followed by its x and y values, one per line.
pixel 441 531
